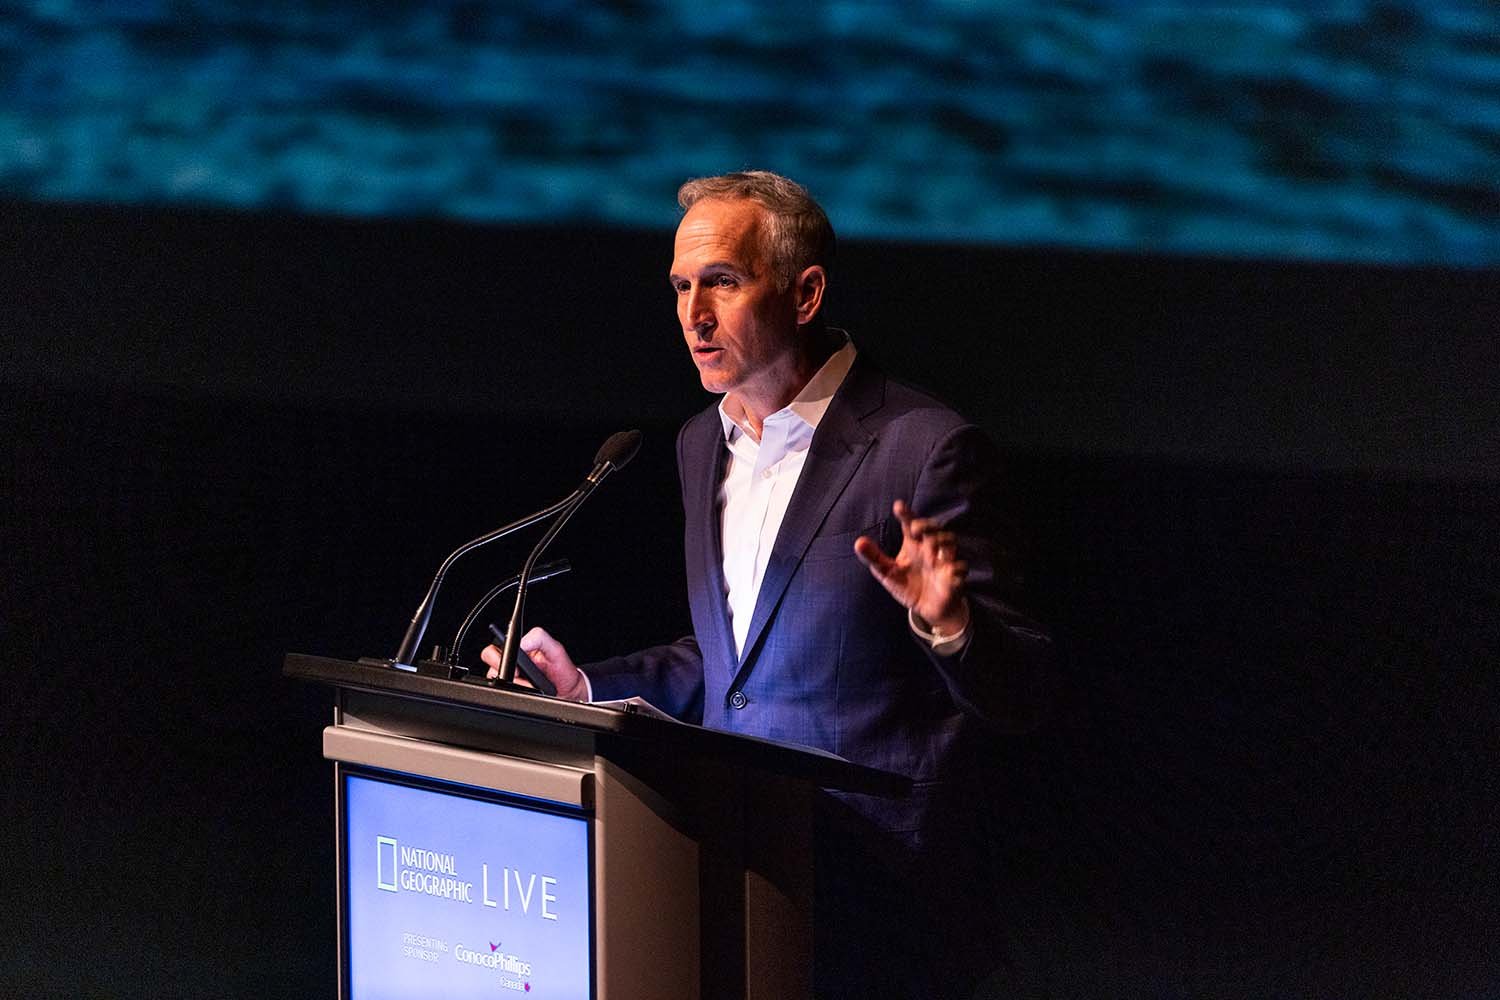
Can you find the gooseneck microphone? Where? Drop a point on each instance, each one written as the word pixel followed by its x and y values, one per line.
pixel 546 571
pixel 604 462
pixel 614 454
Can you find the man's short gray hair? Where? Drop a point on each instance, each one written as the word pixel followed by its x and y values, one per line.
pixel 799 234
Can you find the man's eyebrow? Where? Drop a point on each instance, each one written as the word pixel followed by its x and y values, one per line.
pixel 717 265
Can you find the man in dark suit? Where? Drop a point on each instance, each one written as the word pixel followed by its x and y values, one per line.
pixel 796 484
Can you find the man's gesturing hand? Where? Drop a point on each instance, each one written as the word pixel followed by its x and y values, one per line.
pixel 926 576
pixel 551 659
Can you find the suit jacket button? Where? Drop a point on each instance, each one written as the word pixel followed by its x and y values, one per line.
pixel 738 700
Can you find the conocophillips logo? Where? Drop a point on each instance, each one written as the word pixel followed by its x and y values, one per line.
pixel 493 959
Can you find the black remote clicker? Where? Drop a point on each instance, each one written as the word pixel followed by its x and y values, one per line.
pixel 531 670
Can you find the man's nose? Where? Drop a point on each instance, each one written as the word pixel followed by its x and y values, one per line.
pixel 698 314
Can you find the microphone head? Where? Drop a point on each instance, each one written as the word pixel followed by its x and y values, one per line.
pixel 619 449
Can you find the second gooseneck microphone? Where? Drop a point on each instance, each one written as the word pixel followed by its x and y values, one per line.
pixel 614 454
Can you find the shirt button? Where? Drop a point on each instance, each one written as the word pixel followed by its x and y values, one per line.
pixel 766 475
pixel 738 700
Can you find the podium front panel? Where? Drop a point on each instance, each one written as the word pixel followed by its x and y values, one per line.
pixel 460 890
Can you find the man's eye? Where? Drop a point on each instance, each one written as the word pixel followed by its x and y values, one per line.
pixel 724 281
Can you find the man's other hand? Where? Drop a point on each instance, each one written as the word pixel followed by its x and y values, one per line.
pixel 551 658
pixel 926 575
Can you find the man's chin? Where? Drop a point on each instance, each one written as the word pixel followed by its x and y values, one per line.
pixel 715 382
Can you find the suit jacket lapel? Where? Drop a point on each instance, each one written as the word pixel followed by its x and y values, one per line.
pixel 704 456
pixel 838 446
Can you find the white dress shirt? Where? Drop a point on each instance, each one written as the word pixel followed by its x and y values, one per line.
pixel 759 480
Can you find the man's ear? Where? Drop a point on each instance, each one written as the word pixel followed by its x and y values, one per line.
pixel 809 288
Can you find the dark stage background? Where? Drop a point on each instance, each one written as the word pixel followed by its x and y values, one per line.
pixel 1262 499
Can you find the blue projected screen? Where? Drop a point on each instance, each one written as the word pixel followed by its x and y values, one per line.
pixel 1344 130
pixel 449 894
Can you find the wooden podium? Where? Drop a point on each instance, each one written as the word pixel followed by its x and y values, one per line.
pixel 700 842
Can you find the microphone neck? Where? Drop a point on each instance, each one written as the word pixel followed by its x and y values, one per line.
pixel 413 638
pixel 513 630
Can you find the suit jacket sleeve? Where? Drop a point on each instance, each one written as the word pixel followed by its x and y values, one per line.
pixel 1002 675
pixel 669 677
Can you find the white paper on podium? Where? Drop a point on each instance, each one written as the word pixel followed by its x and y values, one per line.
pixel 638 705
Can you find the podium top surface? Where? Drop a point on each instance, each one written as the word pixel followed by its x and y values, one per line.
pixel 608 722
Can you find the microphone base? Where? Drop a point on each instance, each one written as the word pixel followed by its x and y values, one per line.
pixel 425 668
pixel 385 661
pixel 438 668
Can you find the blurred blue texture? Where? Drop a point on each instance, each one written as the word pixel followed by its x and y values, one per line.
pixel 1350 131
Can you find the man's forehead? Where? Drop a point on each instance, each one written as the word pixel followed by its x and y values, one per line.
pixel 714 230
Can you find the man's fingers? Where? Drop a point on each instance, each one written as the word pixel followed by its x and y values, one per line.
pixel 551 658
pixel 870 554
pixel 940 543
pixel 926 572
pixel 539 640
pixel 491 657
pixel 546 652
pixel 916 528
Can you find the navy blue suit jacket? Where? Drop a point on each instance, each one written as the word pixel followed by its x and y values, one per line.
pixel 830 660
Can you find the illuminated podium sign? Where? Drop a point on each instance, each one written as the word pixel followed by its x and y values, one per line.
pixel 454 892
